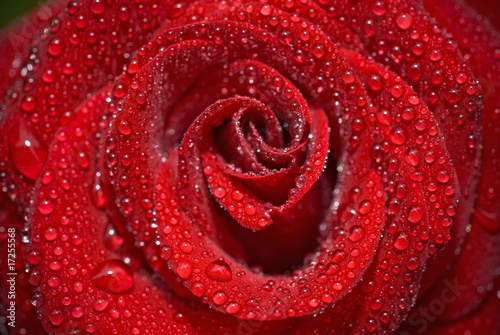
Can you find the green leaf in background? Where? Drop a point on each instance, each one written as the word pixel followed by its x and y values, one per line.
pixel 12 9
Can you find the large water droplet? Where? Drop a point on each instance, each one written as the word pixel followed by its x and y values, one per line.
pixel 27 152
pixel 219 271
pixel 56 317
pixel 184 270
pixel 415 214
pixel 356 233
pixel 113 276
pixel 402 241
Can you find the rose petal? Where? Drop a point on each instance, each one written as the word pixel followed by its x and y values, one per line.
pixel 477 265
pixel 180 50
pixel 93 288
pixel 70 59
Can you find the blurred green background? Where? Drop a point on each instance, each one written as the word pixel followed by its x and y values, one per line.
pixel 12 9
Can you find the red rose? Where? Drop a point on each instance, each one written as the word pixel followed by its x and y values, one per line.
pixel 237 167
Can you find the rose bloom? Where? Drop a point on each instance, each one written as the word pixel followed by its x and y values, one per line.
pixel 251 167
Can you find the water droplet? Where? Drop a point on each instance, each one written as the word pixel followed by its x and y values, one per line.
pixel 375 82
pixel 54 281
pixel 55 265
pixel 166 252
pixel 415 214
pixel 219 271
pixel 219 192
pixel 443 176
pixel 124 127
pixel 77 312
pixel 77 287
pixel 50 234
pixel 219 298
pixel 263 222
pixel 208 170
pixel 356 233
pixel 378 8
pixel 46 207
pixel 338 286
pixel 56 47
pixel 83 160
pixel 28 104
pixel 198 288
pixel 402 241
pixel 112 240
pixel 435 55
pixel 412 157
pixel 404 21
pixel 338 256
pixel 319 51
pixel 305 35
pixel 100 304
pixel 398 136
pixel 371 325
pixel 250 209
pixel 397 90
pixel 415 71
pixel 266 10
pixel 186 247
pixel 113 276
pixel 27 152
pixel 365 207
pixel 413 263
pixel 97 6
pixel 376 304
pixel 408 113
pixel 184 270
pixel 348 77
pixel 56 317
pixel 34 257
pixel 453 95
pixel 233 308
pixel 237 195
pixel 90 328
